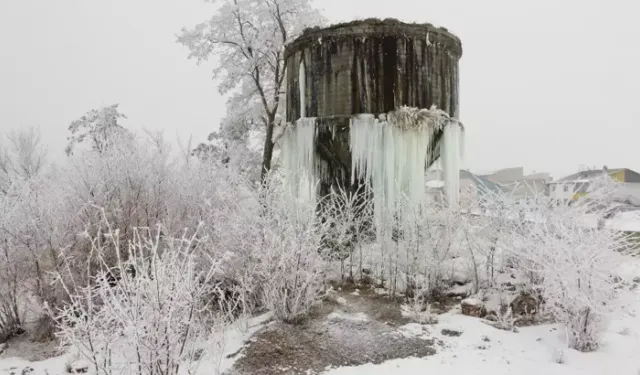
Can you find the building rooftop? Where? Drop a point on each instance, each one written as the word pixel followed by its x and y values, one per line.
pixel 482 183
pixel 586 176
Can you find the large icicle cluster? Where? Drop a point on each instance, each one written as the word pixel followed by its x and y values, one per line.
pixel 298 144
pixel 392 153
pixel 450 157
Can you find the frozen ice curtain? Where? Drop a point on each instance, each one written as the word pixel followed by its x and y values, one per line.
pixel 391 152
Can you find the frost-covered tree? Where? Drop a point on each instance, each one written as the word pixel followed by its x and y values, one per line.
pixel 22 156
pixel 98 127
pixel 235 154
pixel 248 39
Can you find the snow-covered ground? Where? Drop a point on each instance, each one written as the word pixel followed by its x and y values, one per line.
pixel 225 354
pixel 482 349
pixel 479 349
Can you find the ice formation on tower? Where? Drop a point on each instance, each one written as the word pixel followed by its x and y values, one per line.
pixel 299 162
pixel 450 156
pixel 298 144
pixel 392 152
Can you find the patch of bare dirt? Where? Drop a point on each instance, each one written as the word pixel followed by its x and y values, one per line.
pixel 356 327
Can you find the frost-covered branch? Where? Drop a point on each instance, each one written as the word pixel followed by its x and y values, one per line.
pixel 248 38
pixel 98 127
pixel 151 313
pixel 569 256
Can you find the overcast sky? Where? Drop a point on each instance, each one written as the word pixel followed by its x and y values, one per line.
pixel 545 84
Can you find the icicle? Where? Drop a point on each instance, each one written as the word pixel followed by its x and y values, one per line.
pixel 393 154
pixel 284 100
pixel 462 146
pixel 302 81
pixel 298 150
pixel 450 156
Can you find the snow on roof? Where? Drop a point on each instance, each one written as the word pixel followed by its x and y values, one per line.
pixel 590 174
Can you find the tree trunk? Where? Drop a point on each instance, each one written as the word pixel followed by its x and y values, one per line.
pixel 267 154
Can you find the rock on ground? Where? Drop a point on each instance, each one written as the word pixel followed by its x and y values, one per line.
pixel 473 307
pixel 524 304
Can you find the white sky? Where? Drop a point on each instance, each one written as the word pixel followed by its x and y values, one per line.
pixel 545 84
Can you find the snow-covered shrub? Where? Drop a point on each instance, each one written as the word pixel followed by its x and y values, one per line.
pixel 134 182
pixel 427 232
pixel 418 309
pixel 10 314
pixel 148 314
pixel 291 265
pixel 408 250
pixel 270 245
pixel 574 266
pixel 480 249
pixel 504 320
pixel 33 227
pixel 347 217
pixel 570 257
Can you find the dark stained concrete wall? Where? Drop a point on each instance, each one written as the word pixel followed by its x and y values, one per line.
pixel 373 66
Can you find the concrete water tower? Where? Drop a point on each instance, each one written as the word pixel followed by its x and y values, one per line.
pixel 390 70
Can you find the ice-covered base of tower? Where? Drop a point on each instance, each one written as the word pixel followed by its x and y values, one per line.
pixel 391 152
pixel 298 159
pixel 450 158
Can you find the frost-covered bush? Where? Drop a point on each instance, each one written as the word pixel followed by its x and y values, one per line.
pixel 483 226
pixel 407 251
pixel 128 185
pixel 139 183
pixel 148 314
pixel 291 264
pixel 426 234
pixel 419 310
pixel 33 228
pixel 270 257
pixel 573 266
pixel 270 245
pixel 347 218
pixel 571 258
pixel 10 314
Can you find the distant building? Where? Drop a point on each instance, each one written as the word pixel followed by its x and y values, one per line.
pixel 505 175
pixel 520 187
pixel 526 188
pixel 574 186
pixel 508 175
pixel 473 188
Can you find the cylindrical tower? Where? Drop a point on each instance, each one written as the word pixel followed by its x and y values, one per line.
pixel 372 66
pixel 367 67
